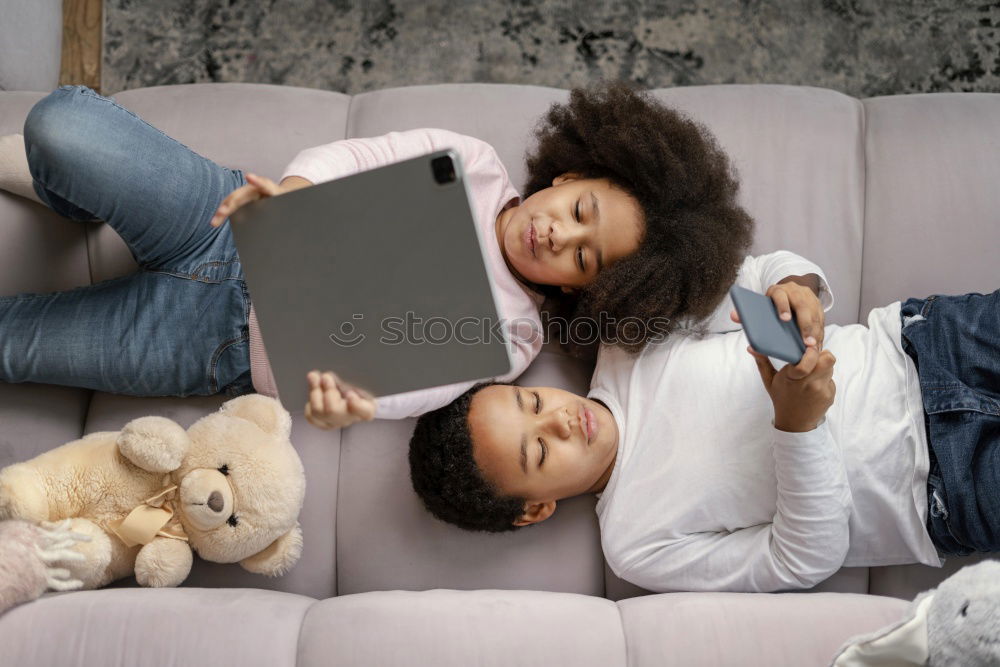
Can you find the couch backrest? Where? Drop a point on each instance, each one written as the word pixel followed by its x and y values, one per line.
pixel 804 156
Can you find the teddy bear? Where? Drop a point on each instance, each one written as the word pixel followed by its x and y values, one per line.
pixel 955 625
pixel 229 488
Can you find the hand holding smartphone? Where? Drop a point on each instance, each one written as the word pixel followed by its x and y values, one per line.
pixel 768 334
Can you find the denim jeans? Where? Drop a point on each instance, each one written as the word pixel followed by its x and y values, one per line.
pixel 176 327
pixel 955 343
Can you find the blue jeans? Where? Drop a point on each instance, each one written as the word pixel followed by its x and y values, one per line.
pixel 955 343
pixel 176 327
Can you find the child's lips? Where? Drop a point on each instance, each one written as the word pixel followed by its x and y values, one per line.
pixel 529 239
pixel 587 423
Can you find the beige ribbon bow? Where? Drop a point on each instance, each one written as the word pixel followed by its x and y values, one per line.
pixel 153 518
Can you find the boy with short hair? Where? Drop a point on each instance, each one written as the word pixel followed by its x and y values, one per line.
pixel 709 481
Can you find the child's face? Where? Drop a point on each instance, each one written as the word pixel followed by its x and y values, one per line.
pixel 535 442
pixel 564 234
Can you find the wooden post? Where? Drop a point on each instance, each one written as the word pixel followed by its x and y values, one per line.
pixel 82 37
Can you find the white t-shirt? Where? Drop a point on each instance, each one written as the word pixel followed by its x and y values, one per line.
pixel 758 273
pixel 706 495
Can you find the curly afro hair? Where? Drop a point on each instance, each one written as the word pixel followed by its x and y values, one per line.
pixel 445 475
pixel 695 235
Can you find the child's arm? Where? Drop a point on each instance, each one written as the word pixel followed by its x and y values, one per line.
pixel 783 266
pixel 808 538
pixel 806 541
pixel 344 157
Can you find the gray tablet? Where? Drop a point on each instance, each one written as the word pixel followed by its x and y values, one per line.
pixel 379 276
pixel 768 334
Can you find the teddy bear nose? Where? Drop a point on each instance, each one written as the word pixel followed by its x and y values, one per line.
pixel 215 501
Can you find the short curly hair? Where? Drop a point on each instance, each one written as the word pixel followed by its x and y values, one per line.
pixel 695 235
pixel 445 475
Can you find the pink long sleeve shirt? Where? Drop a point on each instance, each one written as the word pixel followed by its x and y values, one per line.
pixel 491 193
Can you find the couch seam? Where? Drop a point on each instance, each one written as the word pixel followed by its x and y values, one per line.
pixel 347 120
pixel 621 625
pixel 302 624
pixel 336 516
pixel 864 204
pixel 864 241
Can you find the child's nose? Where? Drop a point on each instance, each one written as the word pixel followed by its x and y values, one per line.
pixel 559 423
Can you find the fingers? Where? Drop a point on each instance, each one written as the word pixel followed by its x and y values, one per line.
pixel 779 296
pixel 326 404
pixel 806 306
pixel 734 316
pixel 808 315
pixel 364 408
pixel 235 199
pixel 256 188
pixel 56 555
pixel 333 400
pixel 825 364
pixel 264 184
pixel 805 366
pixel 53 526
pixel 61 579
pixel 335 404
pixel 814 365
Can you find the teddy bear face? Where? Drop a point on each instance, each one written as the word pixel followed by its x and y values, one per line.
pixel 240 488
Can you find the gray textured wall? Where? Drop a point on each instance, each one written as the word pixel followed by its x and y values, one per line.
pixel 859 47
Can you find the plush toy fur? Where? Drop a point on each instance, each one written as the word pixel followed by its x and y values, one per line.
pixel 239 489
pixel 30 556
pixel 955 625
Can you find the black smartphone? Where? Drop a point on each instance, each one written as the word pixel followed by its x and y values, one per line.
pixel 768 334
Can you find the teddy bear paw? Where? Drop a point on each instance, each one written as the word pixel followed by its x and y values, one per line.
pixel 163 562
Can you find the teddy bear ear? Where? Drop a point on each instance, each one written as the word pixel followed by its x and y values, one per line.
pixel 277 558
pixel 264 411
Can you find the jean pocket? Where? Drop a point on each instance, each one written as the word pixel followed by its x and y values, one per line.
pixel 230 362
pixel 939 520
pixel 955 398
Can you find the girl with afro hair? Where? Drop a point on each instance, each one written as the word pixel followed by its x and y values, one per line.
pixel 629 215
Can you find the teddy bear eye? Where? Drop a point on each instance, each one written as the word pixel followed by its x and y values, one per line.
pixel 964 610
pixel 232 520
pixel 224 469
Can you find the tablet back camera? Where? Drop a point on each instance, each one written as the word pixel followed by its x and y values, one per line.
pixel 444 170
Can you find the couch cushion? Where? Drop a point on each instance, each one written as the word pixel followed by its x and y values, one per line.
pixel 314 574
pixel 35 418
pixel 749 628
pixel 931 222
pixel 799 154
pixel 387 540
pixel 254 127
pixel 40 251
pixel 155 627
pixel 443 627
